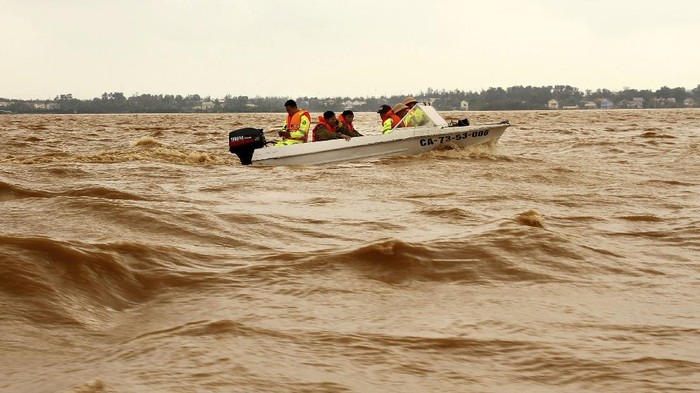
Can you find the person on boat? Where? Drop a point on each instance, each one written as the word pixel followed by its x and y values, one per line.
pixel 326 129
pixel 345 125
pixel 416 116
pixel 296 126
pixel 389 119
pixel 400 110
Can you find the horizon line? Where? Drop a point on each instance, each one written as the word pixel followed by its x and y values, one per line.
pixel 420 93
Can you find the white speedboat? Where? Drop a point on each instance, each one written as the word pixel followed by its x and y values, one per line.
pixel 250 146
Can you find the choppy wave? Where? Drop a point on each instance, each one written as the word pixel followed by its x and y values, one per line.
pixel 491 257
pixel 93 386
pixel 63 277
pixel 69 282
pixel 156 152
pixel 147 141
pixel 395 261
pixel 151 151
pixel 530 218
pixel 655 134
pixel 11 191
pixel 137 256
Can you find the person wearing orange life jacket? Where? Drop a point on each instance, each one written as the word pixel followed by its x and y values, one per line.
pixel 296 126
pixel 389 119
pixel 345 125
pixel 326 129
pixel 401 110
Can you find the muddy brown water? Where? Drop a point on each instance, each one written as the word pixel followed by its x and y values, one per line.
pixel 138 256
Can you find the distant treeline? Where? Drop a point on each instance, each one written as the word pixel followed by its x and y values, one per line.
pixel 495 98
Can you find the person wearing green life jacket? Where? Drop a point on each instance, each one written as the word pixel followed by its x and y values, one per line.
pixel 389 119
pixel 296 126
pixel 416 116
pixel 345 125
pixel 326 129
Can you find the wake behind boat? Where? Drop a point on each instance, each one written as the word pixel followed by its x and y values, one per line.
pixel 250 146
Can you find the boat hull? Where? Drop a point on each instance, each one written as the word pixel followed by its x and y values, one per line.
pixel 407 141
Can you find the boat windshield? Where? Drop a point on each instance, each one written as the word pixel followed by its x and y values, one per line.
pixel 432 115
pixel 424 116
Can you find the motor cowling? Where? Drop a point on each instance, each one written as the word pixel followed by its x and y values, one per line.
pixel 243 143
pixel 460 123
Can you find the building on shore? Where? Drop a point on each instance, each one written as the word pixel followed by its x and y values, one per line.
pixel 349 104
pixel 553 104
pixel 636 103
pixel 47 106
pixel 204 106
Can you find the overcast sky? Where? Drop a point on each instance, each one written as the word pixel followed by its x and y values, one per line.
pixel 337 48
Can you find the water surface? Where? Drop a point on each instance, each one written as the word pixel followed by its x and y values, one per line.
pixel 138 256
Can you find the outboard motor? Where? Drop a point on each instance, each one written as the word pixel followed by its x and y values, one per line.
pixel 243 143
pixel 460 123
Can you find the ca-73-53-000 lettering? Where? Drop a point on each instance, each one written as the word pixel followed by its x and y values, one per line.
pixel 450 138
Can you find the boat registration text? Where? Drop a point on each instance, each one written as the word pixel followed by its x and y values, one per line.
pixel 450 138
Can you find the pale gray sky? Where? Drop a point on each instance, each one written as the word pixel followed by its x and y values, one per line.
pixel 351 47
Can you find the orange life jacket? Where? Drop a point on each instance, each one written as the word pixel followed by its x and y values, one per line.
pixel 396 120
pixel 293 122
pixel 313 136
pixel 341 119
